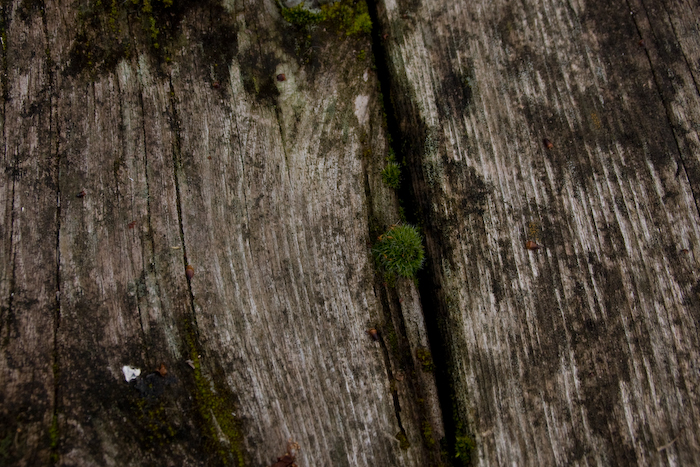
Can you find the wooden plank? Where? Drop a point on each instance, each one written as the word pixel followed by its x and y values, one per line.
pixel 275 226
pixel 29 264
pixel 174 156
pixel 124 293
pixel 578 352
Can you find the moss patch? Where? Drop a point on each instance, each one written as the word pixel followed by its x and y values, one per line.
pixel 399 251
pixel 464 446
pixel 216 408
pixel 103 35
pixel 427 431
pixel 53 439
pixel 391 175
pixel 300 16
pixel 350 17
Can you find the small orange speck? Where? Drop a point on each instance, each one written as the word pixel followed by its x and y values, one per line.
pixel 531 245
pixel 189 272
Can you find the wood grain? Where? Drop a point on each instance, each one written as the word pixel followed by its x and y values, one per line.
pixel 192 154
pixel 146 139
pixel 581 352
pixel 29 232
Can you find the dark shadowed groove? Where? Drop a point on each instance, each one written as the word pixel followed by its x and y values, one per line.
pixel 659 89
pixel 380 291
pixel 177 162
pixel 54 432
pixel 6 315
pixel 427 285
pixel 122 137
pixel 3 38
pixel 212 400
pixel 148 195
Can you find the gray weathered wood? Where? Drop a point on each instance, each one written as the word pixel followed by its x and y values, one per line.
pixel 193 153
pixel 29 232
pixel 267 188
pixel 584 351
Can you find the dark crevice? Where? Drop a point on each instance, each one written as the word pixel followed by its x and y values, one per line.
pixel 149 222
pixel 380 291
pixel 3 38
pixel 407 150
pixel 148 200
pixel 6 316
pixel 177 165
pixel 54 143
pixel 214 401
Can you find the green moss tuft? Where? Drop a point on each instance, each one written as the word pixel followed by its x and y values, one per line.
pixel 399 251
pixel 464 446
pixel 391 175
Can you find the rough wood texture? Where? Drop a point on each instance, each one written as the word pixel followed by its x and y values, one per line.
pixel 168 203
pixel 584 351
pixel 125 163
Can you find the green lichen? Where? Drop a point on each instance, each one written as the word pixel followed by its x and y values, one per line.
pixel 301 17
pixel 426 359
pixel 464 446
pixel 403 440
pixel 427 431
pixel 53 440
pixel 350 17
pixel 216 412
pixel 153 417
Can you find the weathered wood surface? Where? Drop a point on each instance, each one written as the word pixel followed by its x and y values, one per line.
pixel 120 173
pixel 584 352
